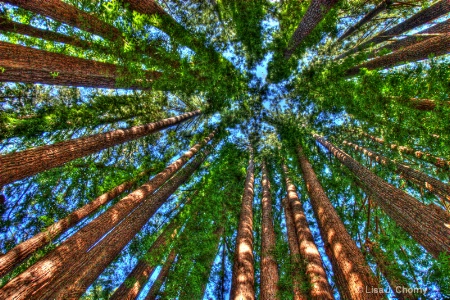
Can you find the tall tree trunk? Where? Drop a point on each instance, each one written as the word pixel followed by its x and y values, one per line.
pixel 66 254
pixel 429 14
pixel 352 274
pixel 437 46
pixel 70 15
pixel 433 185
pixel 243 280
pixel 390 271
pixel 22 251
pixel 315 13
pixel 269 267
pixel 424 104
pixel 78 276
pixel 428 226
pixel 437 161
pixel 297 269
pixel 162 276
pixel 314 269
pixel 20 165
pixel 210 263
pixel 367 18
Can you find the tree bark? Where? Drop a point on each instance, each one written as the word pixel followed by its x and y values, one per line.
pixel 314 269
pixel 22 251
pixel 315 13
pixel 20 165
pixel 269 267
pixel 352 274
pixel 428 226
pixel 243 278
pixel 56 262
pixel 154 290
pixel 210 263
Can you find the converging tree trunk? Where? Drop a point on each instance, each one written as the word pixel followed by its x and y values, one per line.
pixel 243 279
pixel 20 165
pixel 269 267
pixel 428 226
pixel 352 274
pixel 314 269
pixel 157 284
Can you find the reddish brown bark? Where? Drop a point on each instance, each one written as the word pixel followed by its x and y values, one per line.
pixel 269 267
pixel 19 165
pixel 154 290
pixel 428 226
pixel 22 251
pixel 315 13
pixel 147 7
pixel 243 278
pixel 314 269
pixel 40 274
pixel 297 269
pixel 352 274
pixel 421 179
pixel 69 14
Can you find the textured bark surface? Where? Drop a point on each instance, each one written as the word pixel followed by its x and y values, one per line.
pixel 243 278
pixel 206 275
pixel 269 267
pixel 19 165
pixel 428 226
pixel 22 251
pixel 297 269
pixel 70 15
pixel 314 269
pixel 154 290
pixel 315 13
pixel 74 281
pixel 65 255
pixel 421 179
pixel 147 7
pixel 351 272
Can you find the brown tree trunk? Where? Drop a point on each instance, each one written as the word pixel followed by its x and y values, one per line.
pixel 315 13
pixel 218 234
pixel 315 272
pixel 437 46
pixel 20 165
pixel 70 15
pixel 77 277
pixel 154 290
pixel 352 274
pixel 269 267
pixel 390 271
pixel 22 251
pixel 66 254
pixel 367 18
pixel 243 278
pixel 428 226
pixel 297 269
pixel 431 184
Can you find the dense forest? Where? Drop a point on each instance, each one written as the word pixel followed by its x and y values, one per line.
pixel 224 149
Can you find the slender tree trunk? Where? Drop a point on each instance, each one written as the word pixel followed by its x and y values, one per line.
pixel 433 185
pixel 315 271
pixel 40 274
pixel 428 226
pixel 269 267
pixel 210 263
pixel 315 13
pixel 435 11
pixel 75 279
pixel 436 46
pixel 424 104
pixel 20 165
pixel 242 285
pixel 390 271
pixel 297 269
pixel 162 276
pixel 367 18
pixel 70 15
pixel 22 251
pixel 351 271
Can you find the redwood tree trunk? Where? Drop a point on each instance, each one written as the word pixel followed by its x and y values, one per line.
pixel 428 226
pixel 19 165
pixel 315 272
pixel 352 274
pixel 243 278
pixel 269 268
pixel 154 290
